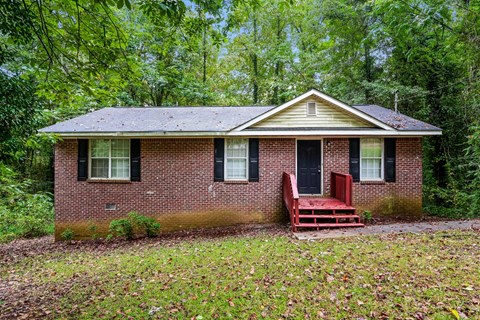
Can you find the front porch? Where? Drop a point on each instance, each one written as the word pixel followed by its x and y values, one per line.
pixel 321 212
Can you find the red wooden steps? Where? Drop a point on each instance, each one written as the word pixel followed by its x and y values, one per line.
pixel 330 225
pixel 335 211
pixel 329 216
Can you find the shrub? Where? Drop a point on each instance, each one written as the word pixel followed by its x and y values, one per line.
pixel 143 223
pixel 367 215
pixel 134 223
pixel 22 214
pixel 121 228
pixel 93 229
pixel 67 235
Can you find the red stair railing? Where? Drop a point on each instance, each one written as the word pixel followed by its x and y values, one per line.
pixel 341 187
pixel 290 196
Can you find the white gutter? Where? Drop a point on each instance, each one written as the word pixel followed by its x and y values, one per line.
pixel 265 133
pixel 343 133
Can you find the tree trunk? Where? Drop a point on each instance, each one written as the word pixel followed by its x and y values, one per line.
pixel 204 44
pixel 277 65
pixel 368 72
pixel 255 62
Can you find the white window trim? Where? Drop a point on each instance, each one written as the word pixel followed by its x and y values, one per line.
pixel 382 177
pixel 311 114
pixel 109 161
pixel 225 157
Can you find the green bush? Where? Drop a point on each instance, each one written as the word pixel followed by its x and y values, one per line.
pixel 121 228
pixel 144 224
pixel 367 215
pixel 67 235
pixel 22 214
pixel 133 224
pixel 93 229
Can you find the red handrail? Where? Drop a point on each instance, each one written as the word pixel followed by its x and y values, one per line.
pixel 290 196
pixel 341 187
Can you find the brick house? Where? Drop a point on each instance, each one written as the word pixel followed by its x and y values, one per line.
pixel 212 166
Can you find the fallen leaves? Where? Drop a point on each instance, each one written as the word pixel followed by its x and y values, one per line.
pixel 266 276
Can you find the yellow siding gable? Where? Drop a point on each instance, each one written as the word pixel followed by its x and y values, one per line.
pixel 328 116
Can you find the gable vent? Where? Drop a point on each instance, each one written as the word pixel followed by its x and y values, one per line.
pixel 311 108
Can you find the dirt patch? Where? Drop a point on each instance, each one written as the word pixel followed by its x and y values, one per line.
pixel 23 300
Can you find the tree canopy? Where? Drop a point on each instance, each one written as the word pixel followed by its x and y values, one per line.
pixel 63 58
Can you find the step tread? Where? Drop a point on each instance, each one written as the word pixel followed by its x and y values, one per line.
pixel 329 225
pixel 328 216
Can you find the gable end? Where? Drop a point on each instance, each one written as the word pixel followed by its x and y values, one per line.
pixel 326 115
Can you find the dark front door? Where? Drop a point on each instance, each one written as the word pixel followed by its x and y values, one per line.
pixel 309 165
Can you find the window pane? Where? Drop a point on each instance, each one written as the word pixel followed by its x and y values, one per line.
pixel 99 168
pixel 236 168
pixel 120 148
pixel 100 148
pixel 371 148
pixel 236 158
pixel 120 168
pixel 371 169
pixel 237 148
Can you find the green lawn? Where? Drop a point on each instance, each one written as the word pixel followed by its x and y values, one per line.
pixel 265 275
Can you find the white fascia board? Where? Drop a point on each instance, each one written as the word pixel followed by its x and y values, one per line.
pixel 263 133
pixel 336 133
pixel 322 96
pixel 199 134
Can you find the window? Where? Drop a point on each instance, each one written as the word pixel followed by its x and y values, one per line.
pixel 110 159
pixel 236 159
pixel 371 159
pixel 311 108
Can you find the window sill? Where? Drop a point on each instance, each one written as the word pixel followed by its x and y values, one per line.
pixel 373 182
pixel 236 181
pixel 120 181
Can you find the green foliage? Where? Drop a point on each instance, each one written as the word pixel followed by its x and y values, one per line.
pixel 60 59
pixel 145 224
pixel 367 215
pixel 20 116
pixel 93 229
pixel 135 223
pixel 121 228
pixel 67 235
pixel 473 165
pixel 22 214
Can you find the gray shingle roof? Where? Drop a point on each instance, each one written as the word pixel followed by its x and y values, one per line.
pixel 398 121
pixel 201 119
pixel 165 119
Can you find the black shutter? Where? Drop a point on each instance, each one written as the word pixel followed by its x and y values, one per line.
pixel 218 168
pixel 354 162
pixel 135 160
pixel 82 160
pixel 390 159
pixel 253 174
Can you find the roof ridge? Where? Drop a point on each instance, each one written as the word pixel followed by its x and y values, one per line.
pixel 181 107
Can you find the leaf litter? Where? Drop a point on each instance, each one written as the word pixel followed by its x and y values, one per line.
pixel 251 273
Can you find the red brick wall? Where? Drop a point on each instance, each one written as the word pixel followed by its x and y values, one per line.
pixel 177 186
pixel 399 199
